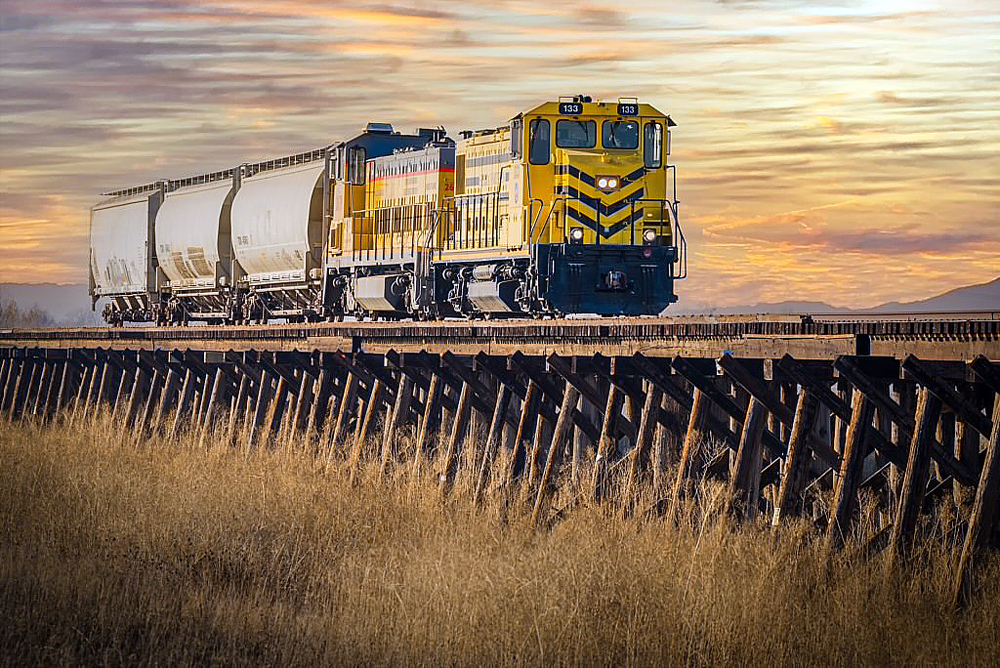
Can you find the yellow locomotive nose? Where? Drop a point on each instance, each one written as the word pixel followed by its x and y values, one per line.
pixel 603 194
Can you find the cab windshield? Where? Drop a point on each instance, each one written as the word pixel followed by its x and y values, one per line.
pixel 621 134
pixel 576 134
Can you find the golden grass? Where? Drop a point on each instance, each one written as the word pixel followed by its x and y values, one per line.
pixel 184 553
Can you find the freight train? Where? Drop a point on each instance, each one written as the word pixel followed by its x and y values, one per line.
pixel 571 207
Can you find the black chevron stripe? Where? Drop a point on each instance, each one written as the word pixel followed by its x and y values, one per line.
pixel 605 209
pixel 634 176
pixel 583 176
pixel 581 217
pixel 562 170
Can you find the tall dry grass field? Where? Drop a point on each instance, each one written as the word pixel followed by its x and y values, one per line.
pixel 194 552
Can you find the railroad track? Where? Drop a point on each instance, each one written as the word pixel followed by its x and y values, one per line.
pixel 942 336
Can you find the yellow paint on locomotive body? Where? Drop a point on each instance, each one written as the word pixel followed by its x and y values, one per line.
pixel 548 172
pixel 605 172
pixel 505 189
pixel 478 222
pixel 402 194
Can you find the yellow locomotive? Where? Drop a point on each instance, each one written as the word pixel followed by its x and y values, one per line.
pixel 570 208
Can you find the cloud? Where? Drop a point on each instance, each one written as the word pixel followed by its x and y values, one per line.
pixel 782 107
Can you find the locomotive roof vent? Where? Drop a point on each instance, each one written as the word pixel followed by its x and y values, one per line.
pixel 384 128
pixel 433 134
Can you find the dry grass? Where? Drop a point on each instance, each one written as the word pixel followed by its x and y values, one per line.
pixel 181 553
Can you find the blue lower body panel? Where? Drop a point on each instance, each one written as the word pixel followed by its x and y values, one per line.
pixel 607 280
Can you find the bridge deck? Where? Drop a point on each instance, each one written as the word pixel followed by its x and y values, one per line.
pixel 959 336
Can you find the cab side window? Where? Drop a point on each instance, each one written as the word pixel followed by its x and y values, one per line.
pixel 356 168
pixel 652 140
pixel 538 141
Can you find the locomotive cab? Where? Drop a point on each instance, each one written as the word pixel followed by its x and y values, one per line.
pixel 600 206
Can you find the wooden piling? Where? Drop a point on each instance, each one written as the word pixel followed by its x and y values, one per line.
pixel 33 393
pixel 134 410
pixel 38 401
pixel 213 400
pixel 50 379
pixel 458 429
pixel 743 498
pixel 428 421
pixel 118 404
pixel 304 400
pixel 796 464
pixel 640 453
pixel 264 394
pixel 375 399
pixel 529 415
pixel 65 387
pixel 845 492
pixel 276 410
pixel 166 400
pixel 660 454
pixel 91 397
pixel 238 407
pixel 911 494
pixel 492 442
pixel 606 444
pixel 5 368
pixel 83 391
pixel 149 408
pixel 394 422
pixel 319 414
pixel 8 391
pixel 539 443
pixel 983 517
pixel 101 393
pixel 691 460
pixel 182 412
pixel 966 452
pixel 347 401
pixel 570 398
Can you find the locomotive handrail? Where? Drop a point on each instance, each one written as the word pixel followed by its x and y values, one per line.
pixel 676 233
pixel 403 213
pixel 673 188
pixel 488 208
pixel 534 219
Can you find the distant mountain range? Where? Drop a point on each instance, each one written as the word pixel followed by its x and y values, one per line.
pixel 69 305
pixel 981 297
pixel 985 296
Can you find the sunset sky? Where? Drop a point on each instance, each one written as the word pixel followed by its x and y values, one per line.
pixel 845 151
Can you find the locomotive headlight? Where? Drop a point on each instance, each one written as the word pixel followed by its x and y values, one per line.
pixel 607 183
pixel 576 235
pixel 649 237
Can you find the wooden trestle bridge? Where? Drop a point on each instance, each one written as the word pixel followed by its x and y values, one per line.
pixel 905 406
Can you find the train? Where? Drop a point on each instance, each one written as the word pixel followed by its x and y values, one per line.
pixel 570 207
